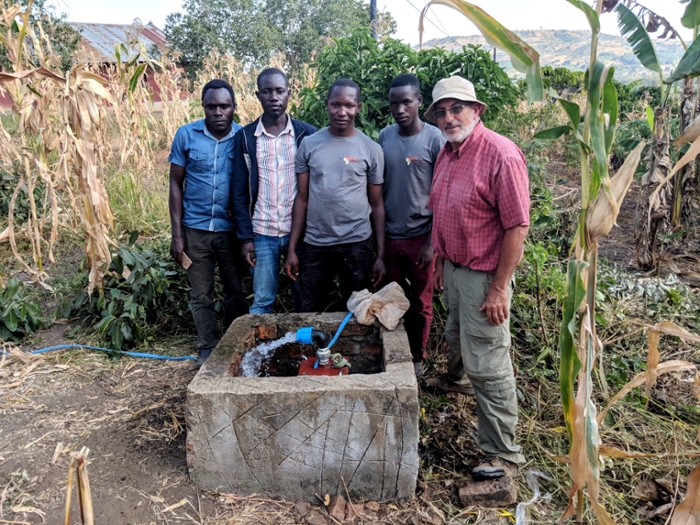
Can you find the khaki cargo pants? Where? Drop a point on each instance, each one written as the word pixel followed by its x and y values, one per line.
pixel 480 352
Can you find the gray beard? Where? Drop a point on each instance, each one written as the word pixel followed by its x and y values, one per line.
pixel 463 134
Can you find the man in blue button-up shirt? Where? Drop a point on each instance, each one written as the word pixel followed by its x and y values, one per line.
pixel 201 163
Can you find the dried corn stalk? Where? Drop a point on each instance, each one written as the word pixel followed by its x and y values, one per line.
pixel 57 113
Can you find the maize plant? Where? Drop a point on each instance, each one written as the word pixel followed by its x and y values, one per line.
pixel 59 118
pixel 601 196
pixel 667 199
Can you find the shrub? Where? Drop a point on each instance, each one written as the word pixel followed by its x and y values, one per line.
pixel 373 65
pixel 19 316
pixel 145 293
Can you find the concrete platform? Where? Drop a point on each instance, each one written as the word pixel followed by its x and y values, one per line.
pixel 292 437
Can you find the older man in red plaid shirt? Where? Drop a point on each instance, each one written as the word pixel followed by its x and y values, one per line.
pixel 480 201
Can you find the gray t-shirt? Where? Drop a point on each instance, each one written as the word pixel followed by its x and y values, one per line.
pixel 409 163
pixel 339 169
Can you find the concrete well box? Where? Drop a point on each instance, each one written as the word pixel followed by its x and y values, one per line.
pixel 296 436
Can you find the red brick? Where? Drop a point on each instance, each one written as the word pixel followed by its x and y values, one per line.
pixel 356 329
pixel 372 349
pixel 268 331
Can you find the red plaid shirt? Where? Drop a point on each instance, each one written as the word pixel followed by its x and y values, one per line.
pixel 478 192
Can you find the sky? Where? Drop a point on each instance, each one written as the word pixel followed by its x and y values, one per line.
pixel 513 14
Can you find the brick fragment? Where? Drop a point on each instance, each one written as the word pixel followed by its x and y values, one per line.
pixel 336 508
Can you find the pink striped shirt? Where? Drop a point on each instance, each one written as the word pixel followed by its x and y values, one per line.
pixel 272 215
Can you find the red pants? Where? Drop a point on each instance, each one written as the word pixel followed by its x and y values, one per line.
pixel 400 261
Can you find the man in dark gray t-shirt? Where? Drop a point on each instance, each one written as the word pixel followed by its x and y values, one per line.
pixel 338 205
pixel 410 150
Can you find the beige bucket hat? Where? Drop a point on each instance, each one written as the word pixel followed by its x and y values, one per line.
pixel 452 87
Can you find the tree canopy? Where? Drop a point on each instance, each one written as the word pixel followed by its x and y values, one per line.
pixel 255 30
pixel 62 37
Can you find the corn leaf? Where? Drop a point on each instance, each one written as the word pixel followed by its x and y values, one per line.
pixel 653 337
pixel 599 175
pixel 136 77
pixel 689 64
pixel 610 110
pixel 688 511
pixel 636 34
pixel 570 363
pixel 523 57
pixel 553 133
pixel 591 15
pixel 640 379
pixel 691 16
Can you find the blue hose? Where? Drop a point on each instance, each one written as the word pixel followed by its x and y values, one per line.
pixel 120 352
pixel 340 329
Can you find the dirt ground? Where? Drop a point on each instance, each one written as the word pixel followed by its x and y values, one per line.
pixel 129 414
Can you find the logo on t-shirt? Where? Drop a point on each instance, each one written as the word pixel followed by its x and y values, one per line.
pixel 347 159
pixel 411 159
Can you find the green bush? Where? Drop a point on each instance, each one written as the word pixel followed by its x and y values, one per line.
pixel 146 293
pixel 373 65
pixel 9 177
pixel 19 316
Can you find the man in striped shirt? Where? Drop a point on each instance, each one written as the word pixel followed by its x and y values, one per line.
pixel 265 185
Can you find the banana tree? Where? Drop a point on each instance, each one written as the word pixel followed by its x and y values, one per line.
pixel 663 203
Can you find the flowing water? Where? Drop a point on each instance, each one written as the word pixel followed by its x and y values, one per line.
pixel 253 359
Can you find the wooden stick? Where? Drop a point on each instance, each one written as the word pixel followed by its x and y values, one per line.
pixel 86 511
pixel 66 518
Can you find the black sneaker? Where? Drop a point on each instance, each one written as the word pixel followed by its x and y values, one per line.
pixel 203 355
pixel 493 467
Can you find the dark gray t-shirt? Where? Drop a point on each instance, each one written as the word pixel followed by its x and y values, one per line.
pixel 339 169
pixel 409 163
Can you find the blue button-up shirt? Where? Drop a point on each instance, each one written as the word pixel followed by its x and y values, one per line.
pixel 208 164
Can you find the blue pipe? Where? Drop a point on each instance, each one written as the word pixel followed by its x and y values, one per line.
pixel 340 329
pixel 121 352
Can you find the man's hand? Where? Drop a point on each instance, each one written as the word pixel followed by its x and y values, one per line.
pixel 378 272
pixel 177 247
pixel 291 266
pixel 425 255
pixel 248 252
pixel 439 275
pixel 496 306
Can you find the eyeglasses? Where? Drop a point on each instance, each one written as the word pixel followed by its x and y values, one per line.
pixel 455 110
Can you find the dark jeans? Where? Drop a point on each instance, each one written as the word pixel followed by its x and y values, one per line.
pixel 206 249
pixel 417 283
pixel 318 266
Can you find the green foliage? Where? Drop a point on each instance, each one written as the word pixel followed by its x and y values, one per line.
pixel 63 38
pixel 146 293
pixel 254 32
pixel 374 64
pixel 19 316
pixel 562 80
pixel 8 184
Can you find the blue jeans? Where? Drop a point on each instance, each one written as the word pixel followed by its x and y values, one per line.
pixel 267 271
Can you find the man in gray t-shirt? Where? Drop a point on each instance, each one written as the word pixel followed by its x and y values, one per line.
pixel 410 150
pixel 338 205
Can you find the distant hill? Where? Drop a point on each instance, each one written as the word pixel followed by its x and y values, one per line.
pixel 571 49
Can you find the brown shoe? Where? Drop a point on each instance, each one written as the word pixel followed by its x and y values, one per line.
pixel 442 383
pixel 493 467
